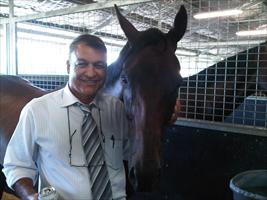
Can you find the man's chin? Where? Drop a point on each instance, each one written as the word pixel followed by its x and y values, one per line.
pixel 90 91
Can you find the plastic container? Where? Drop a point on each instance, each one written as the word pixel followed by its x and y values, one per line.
pixel 250 185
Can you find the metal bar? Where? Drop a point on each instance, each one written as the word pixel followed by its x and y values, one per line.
pixel 74 29
pixel 11 42
pixel 257 81
pixel 110 18
pixel 214 92
pixel 224 89
pixel 205 94
pixel 55 35
pixel 3 49
pixel 76 9
pixel 235 84
pixel 195 99
pixel 200 45
pixel 160 16
pixel 225 127
pixel 245 89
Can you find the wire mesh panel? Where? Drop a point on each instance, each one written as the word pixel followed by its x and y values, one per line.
pixel 226 78
pixel 224 68
pixel 52 35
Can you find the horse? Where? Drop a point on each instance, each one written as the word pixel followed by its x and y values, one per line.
pixel 215 92
pixel 146 76
pixel 149 77
pixel 15 93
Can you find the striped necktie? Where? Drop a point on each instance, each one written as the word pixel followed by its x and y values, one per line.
pixel 100 183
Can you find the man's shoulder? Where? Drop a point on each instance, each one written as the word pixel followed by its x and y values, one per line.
pixel 45 99
pixel 109 99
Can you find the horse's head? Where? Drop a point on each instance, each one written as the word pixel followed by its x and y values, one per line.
pixel 149 79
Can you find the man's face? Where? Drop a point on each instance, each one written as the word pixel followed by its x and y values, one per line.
pixel 87 72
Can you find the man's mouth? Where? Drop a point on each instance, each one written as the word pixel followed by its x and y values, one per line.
pixel 90 81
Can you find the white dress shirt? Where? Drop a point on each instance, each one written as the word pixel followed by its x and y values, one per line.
pixel 45 133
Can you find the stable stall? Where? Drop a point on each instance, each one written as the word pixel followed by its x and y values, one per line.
pixel 222 127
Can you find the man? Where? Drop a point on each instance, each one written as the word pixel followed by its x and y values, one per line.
pixel 52 139
pixel 47 140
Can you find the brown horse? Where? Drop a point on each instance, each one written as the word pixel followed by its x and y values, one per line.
pixel 146 76
pixel 15 92
pixel 218 90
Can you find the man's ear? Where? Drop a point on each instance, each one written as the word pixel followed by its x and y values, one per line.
pixel 68 66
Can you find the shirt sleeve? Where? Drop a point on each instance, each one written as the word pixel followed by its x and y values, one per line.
pixel 19 158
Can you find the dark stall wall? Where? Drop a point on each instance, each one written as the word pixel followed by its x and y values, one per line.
pixel 198 163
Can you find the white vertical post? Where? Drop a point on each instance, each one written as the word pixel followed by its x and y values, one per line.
pixel 3 50
pixel 160 16
pixel 11 42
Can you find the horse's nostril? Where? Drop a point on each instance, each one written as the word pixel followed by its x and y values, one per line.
pixel 129 116
pixel 124 81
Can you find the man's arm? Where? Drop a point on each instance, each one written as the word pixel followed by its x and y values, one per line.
pixel 25 190
pixel 19 166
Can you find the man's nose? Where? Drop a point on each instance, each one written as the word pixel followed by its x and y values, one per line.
pixel 90 69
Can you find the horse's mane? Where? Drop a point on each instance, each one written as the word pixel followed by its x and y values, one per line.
pixel 114 69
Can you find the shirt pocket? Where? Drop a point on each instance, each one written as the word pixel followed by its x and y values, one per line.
pixel 113 148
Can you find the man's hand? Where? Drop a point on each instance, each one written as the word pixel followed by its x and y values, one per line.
pixel 176 111
pixel 24 189
pixel 33 196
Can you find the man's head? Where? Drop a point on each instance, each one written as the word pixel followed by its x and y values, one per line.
pixel 86 66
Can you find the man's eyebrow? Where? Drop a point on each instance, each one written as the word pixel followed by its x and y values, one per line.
pixel 100 61
pixel 81 59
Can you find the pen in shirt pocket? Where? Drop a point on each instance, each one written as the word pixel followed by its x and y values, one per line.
pixel 113 141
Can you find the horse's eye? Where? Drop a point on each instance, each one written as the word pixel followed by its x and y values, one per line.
pixel 124 80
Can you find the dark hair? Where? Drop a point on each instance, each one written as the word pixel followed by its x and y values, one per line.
pixel 89 40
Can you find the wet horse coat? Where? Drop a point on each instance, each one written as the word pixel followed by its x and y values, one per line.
pixel 147 73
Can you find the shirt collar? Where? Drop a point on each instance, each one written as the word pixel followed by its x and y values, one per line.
pixel 69 99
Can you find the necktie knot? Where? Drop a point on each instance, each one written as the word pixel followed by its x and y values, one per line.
pixel 84 108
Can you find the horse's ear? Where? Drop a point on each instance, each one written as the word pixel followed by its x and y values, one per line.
pixel 180 23
pixel 129 30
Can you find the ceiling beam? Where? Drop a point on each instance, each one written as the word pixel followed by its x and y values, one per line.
pixel 75 9
pixel 110 18
pixel 206 45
